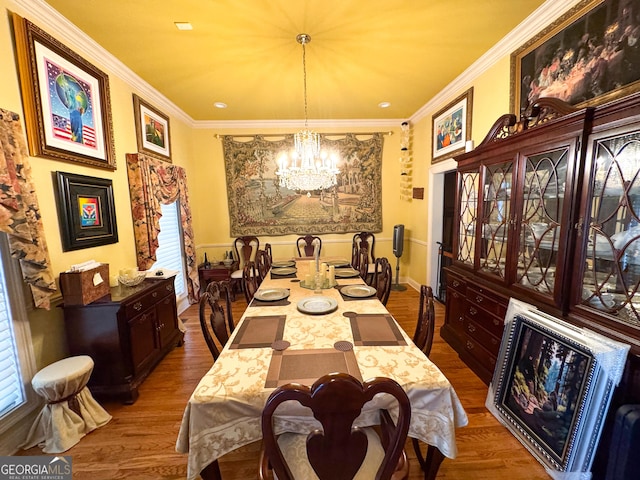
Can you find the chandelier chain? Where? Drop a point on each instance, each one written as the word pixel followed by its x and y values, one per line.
pixel 304 77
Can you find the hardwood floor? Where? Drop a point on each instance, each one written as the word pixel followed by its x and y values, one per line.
pixel 139 443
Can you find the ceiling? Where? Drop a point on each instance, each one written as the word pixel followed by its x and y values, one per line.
pixel 244 52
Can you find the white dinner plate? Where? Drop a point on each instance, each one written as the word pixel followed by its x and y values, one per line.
pixel 346 272
pixel 284 270
pixel 283 263
pixel 339 263
pixel 317 305
pixel 271 294
pixel 358 291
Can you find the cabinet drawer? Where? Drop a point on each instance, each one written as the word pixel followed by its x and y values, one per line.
pixel 491 323
pixel 482 336
pixel 457 283
pixel 150 298
pixel 487 300
pixel 480 354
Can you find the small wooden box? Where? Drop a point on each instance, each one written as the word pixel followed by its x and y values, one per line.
pixel 79 288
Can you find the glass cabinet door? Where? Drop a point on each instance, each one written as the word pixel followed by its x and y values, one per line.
pixel 612 269
pixel 468 217
pixel 496 206
pixel 543 200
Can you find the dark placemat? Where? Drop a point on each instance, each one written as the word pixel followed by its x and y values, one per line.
pixel 260 303
pixel 277 277
pixel 306 366
pixel 347 298
pixel 259 332
pixel 371 329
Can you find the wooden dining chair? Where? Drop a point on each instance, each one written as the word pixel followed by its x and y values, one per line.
pixel 306 245
pixel 382 279
pixel 223 292
pixel 246 248
pixel 339 451
pixel 423 338
pixel 362 263
pixel 367 239
pixel 263 264
pixel 250 280
pixel 212 322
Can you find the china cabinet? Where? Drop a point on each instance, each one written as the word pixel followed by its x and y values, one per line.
pixel 548 212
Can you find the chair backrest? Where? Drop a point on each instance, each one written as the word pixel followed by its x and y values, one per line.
pixel 222 290
pixel 382 279
pixel 263 264
pixel 337 451
pixel 363 238
pixel 212 323
pixel 306 245
pixel 362 261
pixel 246 249
pixel 251 278
pixel 425 328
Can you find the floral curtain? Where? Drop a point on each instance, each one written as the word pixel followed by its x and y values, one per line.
pixel 20 213
pixel 154 182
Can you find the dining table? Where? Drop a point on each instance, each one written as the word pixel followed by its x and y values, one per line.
pixel 296 330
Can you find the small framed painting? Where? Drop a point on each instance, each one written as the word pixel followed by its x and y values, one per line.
pixel 451 127
pixel 152 130
pixel 86 210
pixel 552 387
pixel 66 100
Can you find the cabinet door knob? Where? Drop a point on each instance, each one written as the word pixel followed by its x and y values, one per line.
pixel 137 306
pixel 461 319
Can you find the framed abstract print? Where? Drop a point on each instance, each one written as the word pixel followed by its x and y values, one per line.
pixel 66 100
pixel 152 130
pixel 451 127
pixel 86 211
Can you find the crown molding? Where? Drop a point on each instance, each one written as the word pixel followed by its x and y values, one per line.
pixel 544 15
pixel 60 27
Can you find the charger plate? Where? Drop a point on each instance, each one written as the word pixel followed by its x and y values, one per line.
pixel 346 272
pixel 283 271
pixel 358 291
pixel 271 294
pixel 317 305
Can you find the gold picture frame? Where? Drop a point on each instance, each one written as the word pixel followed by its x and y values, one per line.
pixel 451 127
pixel 66 100
pixel 152 130
pixel 588 56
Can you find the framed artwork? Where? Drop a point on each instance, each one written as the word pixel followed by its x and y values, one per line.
pixel 451 127
pixel 589 56
pixel 66 100
pixel 152 130
pixel 553 385
pixel 86 211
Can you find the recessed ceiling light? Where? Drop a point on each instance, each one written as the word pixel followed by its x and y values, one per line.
pixel 220 105
pixel 384 104
pixel 183 25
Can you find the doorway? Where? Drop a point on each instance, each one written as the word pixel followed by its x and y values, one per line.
pixel 445 250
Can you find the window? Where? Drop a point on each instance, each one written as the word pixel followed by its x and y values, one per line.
pixel 169 254
pixel 17 364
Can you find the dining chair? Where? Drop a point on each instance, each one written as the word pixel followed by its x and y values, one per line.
pixel 382 279
pixel 367 239
pixel 362 262
pixel 212 323
pixel 340 451
pixel 306 245
pixel 263 264
pixel 246 248
pixel 250 280
pixel 223 292
pixel 423 338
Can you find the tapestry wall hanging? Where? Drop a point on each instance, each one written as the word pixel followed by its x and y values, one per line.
pixel 258 205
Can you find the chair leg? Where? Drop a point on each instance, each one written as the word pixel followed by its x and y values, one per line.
pixel 211 471
pixel 419 456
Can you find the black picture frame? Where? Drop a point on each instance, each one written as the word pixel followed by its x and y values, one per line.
pixel 553 385
pixel 588 56
pixel 86 211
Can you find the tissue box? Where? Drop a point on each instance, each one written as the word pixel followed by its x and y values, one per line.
pixel 81 288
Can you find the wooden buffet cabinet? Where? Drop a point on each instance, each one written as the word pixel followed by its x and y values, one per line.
pixel 548 212
pixel 126 333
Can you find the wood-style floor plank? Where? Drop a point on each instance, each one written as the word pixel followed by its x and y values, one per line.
pixel 139 443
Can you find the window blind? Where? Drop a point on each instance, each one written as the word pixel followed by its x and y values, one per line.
pixel 169 254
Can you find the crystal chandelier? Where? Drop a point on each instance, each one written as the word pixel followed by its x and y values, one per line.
pixel 308 168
